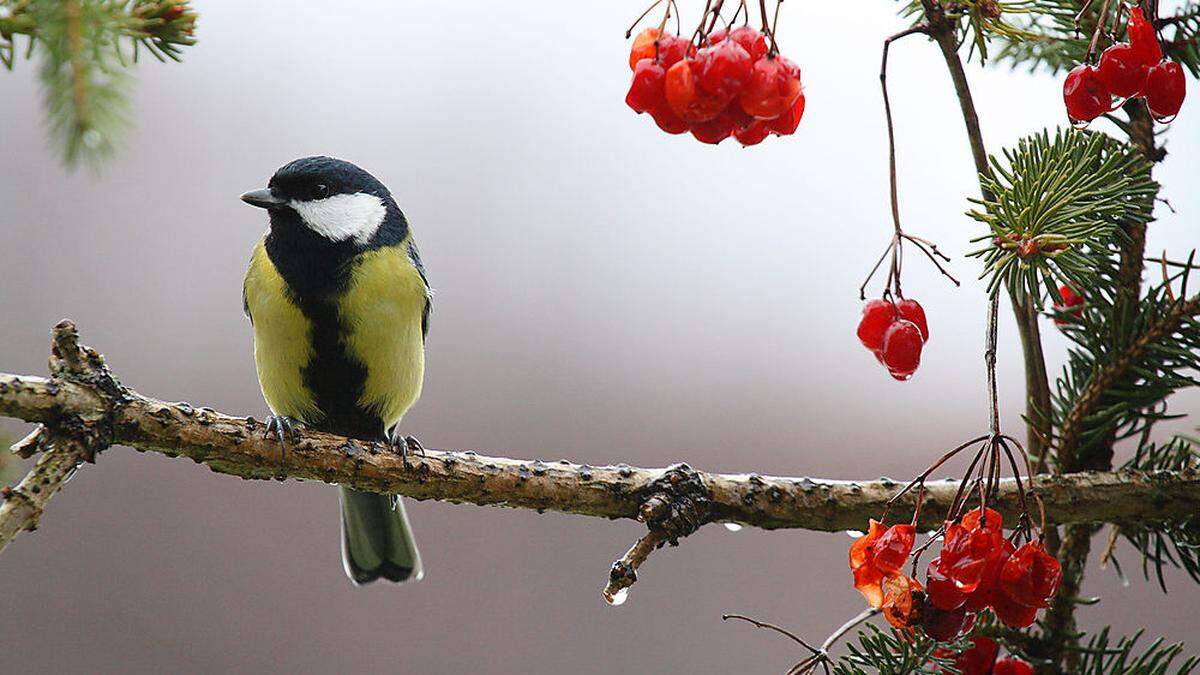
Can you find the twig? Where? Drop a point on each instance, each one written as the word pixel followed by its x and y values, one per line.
pixel 624 571
pixel 771 626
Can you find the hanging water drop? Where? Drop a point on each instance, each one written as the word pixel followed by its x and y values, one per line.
pixel 855 534
pixel 733 527
pixel 617 599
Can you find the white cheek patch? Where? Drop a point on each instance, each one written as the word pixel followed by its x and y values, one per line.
pixel 341 217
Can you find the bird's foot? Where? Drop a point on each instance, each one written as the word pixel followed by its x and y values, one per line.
pixel 284 429
pixel 402 445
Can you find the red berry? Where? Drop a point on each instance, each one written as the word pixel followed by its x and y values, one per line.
pixel 787 123
pixel 753 134
pixel 724 69
pixel 902 349
pixel 714 131
pixel 754 42
pixel 647 90
pixel 1031 576
pixel 989 518
pixel 1012 666
pixel 892 548
pixel 1143 39
pixel 979 658
pixel 966 555
pixel 773 87
pixel 1072 302
pixel 877 315
pixel 1012 614
pixel 685 96
pixel 942 625
pixel 861 551
pixel 942 592
pixel 911 310
pixel 672 49
pixel 667 120
pixel 643 47
pixel 1165 89
pixel 1085 95
pixel 1122 72
pixel 984 596
pixel 902 600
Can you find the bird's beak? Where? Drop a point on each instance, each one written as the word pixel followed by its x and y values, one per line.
pixel 263 199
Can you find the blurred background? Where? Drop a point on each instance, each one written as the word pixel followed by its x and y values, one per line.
pixel 605 293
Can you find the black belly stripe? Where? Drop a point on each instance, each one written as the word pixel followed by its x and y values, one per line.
pixel 316 272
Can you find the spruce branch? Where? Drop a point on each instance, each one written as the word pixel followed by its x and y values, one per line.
pixel 1177 545
pixel 1100 656
pixel 82 46
pixel 1056 203
pixel 1056 37
pixel 1115 379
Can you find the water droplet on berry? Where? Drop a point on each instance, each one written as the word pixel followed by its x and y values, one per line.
pixel 618 598
pixel 733 527
pixel 855 534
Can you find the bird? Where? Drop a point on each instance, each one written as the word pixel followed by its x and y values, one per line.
pixel 339 303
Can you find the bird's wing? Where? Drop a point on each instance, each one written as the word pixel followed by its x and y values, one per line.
pixel 415 256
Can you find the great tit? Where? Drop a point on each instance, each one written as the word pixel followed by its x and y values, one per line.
pixel 339 303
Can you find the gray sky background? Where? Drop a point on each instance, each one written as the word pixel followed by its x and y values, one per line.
pixel 605 293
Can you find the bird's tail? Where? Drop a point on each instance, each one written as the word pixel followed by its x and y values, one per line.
pixel 377 540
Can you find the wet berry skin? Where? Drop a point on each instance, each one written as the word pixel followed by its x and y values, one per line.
pixel 902 349
pixel 754 42
pixel 1143 39
pixel 942 625
pixel 877 315
pixel 979 658
pixel 647 91
pixel 1166 86
pixel 667 120
pixel 753 134
pixel 773 88
pixel 643 47
pixel 1072 303
pixel 911 310
pixel 685 96
pixel 1085 95
pixel 787 123
pixel 1122 72
pixel 714 131
pixel 724 68
pixel 1012 666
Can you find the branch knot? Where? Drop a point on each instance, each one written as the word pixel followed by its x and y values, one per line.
pixel 677 505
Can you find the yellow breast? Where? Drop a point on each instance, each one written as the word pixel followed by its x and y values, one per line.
pixel 381 312
pixel 282 340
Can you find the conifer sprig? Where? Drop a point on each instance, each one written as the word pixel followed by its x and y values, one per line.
pixel 1058 204
pixel 85 48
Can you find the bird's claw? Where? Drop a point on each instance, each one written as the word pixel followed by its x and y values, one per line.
pixel 284 429
pixel 402 445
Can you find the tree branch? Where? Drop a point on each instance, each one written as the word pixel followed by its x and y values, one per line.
pixel 83 401
pixel 1103 380
pixel 944 31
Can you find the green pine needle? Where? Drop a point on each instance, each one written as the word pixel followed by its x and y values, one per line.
pixel 1065 198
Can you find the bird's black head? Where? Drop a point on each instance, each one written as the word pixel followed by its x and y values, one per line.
pixel 330 198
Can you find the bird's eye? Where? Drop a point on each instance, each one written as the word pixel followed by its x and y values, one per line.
pixel 321 190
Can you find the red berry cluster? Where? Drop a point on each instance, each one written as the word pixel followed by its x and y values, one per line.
pixel 734 86
pixel 977 569
pixel 1127 70
pixel 1072 303
pixel 981 659
pixel 896 333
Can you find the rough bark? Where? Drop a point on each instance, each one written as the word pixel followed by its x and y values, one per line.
pixel 104 413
